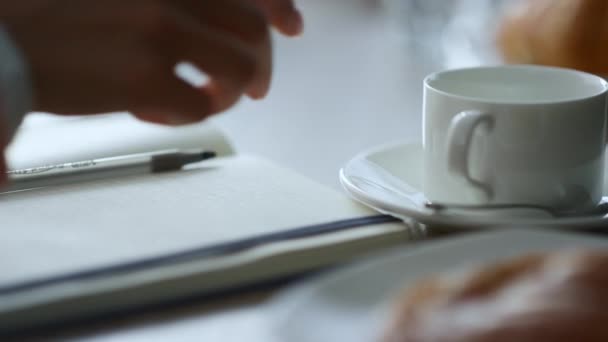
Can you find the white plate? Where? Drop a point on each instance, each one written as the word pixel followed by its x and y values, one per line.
pixel 353 304
pixel 389 179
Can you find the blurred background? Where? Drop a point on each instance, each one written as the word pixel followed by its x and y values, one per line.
pixel 450 33
pixel 352 81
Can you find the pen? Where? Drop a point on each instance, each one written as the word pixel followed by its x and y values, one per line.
pixel 93 169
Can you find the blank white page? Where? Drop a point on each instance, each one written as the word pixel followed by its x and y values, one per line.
pixel 68 228
pixel 46 139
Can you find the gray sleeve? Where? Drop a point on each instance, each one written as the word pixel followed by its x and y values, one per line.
pixel 16 93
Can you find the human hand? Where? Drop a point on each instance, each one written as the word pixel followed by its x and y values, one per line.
pixel 2 168
pixel 89 56
pixel 283 14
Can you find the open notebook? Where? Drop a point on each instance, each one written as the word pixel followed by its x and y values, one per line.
pixel 100 247
pixel 47 139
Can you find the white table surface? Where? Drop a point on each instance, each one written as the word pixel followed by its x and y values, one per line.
pixel 346 85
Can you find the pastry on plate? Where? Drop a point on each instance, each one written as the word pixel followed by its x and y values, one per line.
pixel 557 296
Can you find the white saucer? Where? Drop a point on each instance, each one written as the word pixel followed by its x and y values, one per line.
pixel 354 304
pixel 389 179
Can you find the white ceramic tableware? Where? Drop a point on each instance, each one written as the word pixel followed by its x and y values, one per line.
pixel 389 179
pixel 354 304
pixel 514 134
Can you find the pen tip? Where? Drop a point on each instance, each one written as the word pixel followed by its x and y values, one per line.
pixel 208 155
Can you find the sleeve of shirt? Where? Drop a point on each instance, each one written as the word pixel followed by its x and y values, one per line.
pixel 15 87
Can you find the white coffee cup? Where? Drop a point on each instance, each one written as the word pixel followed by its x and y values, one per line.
pixel 514 135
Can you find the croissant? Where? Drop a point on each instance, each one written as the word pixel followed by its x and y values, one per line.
pixel 558 297
pixel 563 33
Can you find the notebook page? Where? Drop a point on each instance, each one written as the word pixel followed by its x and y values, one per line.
pixel 45 139
pixel 69 228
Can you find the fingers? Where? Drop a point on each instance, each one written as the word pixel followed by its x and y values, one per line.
pixel 160 96
pixel 283 15
pixel 172 102
pixel 232 67
pixel 244 22
pixel 121 55
pixel 3 168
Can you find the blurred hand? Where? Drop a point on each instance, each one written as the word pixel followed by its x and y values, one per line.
pixel 90 56
pixel 282 14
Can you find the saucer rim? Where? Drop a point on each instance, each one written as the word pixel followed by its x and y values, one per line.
pixel 449 220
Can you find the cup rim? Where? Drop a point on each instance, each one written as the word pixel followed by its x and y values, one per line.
pixel 587 75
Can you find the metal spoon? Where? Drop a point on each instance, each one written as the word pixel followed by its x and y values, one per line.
pixel 600 209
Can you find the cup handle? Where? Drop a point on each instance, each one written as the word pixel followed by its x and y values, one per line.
pixel 459 139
